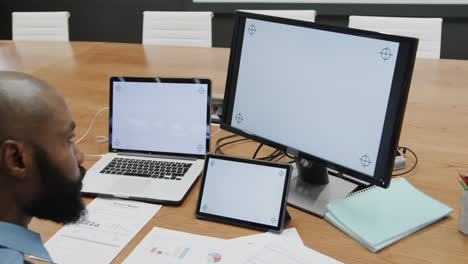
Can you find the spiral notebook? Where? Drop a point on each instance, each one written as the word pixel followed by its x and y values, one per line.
pixel 377 217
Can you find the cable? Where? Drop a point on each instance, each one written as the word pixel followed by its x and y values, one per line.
pixel 217 131
pixel 276 155
pixel 415 162
pixel 259 147
pixel 91 125
pixel 289 156
pixel 281 157
pixel 272 156
pixel 221 139
pixel 218 148
pixel 101 139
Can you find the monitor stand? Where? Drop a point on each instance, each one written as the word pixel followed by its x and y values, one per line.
pixel 312 187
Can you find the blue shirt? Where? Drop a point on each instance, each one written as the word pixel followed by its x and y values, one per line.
pixel 15 241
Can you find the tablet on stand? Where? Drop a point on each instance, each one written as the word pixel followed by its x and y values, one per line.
pixel 246 192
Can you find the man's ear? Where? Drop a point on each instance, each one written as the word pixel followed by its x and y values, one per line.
pixel 12 158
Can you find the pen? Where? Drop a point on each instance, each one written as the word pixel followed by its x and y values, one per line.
pixel 463 179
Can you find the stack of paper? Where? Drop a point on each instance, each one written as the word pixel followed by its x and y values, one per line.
pixel 168 246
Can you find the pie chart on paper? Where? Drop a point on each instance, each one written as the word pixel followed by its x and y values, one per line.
pixel 213 258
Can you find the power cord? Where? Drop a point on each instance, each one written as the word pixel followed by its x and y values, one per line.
pixel 218 147
pixel 404 149
pixel 101 138
pixel 256 151
pixel 217 131
pixel 276 155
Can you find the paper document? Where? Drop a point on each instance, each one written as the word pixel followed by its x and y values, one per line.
pixel 280 252
pixel 284 248
pixel 251 245
pixel 173 247
pixel 102 233
pixel 165 246
pixel 290 235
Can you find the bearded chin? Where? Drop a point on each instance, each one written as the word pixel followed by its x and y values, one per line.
pixel 60 199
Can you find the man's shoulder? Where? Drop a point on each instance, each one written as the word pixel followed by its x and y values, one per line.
pixel 10 256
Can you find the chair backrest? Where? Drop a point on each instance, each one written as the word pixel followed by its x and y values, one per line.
pixel 40 26
pixel 177 28
pixel 427 30
pixel 306 15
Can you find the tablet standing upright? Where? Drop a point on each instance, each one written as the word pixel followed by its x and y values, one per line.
pixel 246 192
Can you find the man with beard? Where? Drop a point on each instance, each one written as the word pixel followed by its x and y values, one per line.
pixel 40 165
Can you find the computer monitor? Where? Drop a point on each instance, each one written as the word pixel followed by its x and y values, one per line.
pixel 334 97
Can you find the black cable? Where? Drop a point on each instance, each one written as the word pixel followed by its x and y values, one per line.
pixel 259 147
pixel 415 162
pixel 289 156
pixel 218 148
pixel 276 155
pixel 280 153
pixel 221 139
pixel 271 156
pixel 281 157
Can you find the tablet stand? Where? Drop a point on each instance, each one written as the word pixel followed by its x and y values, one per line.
pixel 287 219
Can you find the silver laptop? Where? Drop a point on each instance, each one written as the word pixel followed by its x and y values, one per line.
pixel 159 133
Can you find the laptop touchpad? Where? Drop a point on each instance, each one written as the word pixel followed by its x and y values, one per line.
pixel 130 186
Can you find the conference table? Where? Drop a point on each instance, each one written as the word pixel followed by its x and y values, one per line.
pixel 435 127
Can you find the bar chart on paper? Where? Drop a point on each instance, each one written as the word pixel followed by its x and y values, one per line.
pixel 177 253
pixel 213 257
pixel 173 247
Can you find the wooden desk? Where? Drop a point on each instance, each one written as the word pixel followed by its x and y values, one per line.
pixel 435 127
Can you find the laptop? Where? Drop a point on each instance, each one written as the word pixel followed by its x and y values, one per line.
pixel 159 133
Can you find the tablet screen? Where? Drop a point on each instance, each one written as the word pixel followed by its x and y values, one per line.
pixel 244 191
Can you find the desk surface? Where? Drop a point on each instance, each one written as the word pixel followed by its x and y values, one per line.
pixel 435 127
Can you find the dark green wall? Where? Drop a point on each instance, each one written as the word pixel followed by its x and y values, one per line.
pixel 121 20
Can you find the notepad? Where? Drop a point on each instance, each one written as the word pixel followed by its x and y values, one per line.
pixel 377 217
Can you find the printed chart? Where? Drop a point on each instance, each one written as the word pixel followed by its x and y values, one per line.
pixel 173 247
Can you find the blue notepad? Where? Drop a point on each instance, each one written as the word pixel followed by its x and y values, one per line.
pixel 377 217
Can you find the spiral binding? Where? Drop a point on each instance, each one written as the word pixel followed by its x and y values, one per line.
pixel 365 190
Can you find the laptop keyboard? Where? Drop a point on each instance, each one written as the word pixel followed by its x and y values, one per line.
pixel 147 168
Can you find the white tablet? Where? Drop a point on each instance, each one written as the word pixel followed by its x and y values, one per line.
pixel 246 192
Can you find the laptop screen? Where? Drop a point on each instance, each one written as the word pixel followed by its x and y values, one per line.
pixel 160 115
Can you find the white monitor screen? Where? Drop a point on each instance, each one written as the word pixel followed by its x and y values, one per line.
pixel 243 191
pixel 160 117
pixel 320 92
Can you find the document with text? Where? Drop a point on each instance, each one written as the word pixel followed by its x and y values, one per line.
pixel 102 233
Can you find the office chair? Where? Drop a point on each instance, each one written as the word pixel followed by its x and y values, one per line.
pixel 40 26
pixel 177 28
pixel 427 30
pixel 306 15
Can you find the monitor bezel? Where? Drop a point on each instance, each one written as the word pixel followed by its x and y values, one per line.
pixel 161 80
pixel 395 111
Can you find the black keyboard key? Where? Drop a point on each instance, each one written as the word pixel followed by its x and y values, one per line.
pixel 136 174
